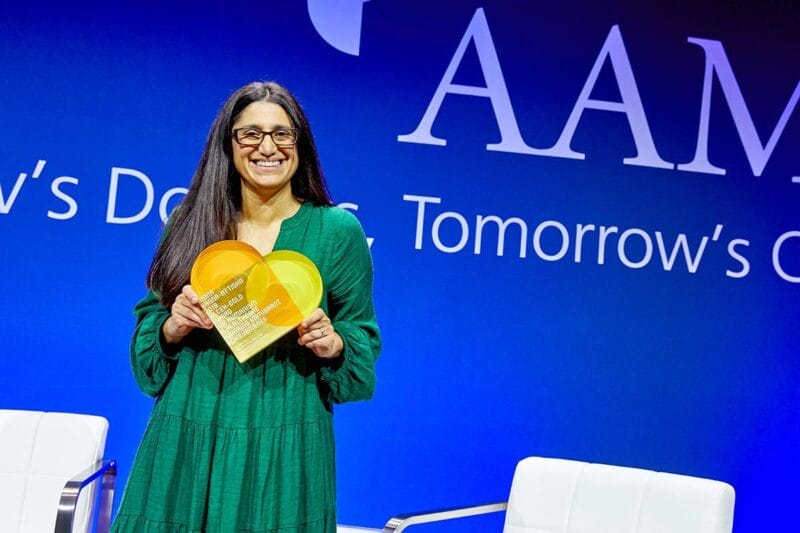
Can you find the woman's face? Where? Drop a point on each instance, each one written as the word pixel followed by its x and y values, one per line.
pixel 266 168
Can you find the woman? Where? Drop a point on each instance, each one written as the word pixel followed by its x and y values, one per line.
pixel 249 446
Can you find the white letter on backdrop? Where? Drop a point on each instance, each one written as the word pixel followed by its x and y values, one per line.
pixel 61 195
pixel 631 105
pixel 495 90
pixel 757 155
pixel 111 217
pixel 420 214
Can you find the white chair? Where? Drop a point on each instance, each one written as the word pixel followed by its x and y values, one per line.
pixel 562 496
pixel 50 465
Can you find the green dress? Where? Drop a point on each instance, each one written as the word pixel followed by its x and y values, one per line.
pixel 248 447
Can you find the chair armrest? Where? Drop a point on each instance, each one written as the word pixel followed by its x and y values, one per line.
pixel 69 496
pixel 401 522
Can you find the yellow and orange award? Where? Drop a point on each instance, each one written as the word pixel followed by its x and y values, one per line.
pixel 253 300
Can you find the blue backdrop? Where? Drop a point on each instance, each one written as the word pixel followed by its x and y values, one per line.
pixel 584 224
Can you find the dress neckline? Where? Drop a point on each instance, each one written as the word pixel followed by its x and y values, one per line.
pixel 298 217
pixel 288 224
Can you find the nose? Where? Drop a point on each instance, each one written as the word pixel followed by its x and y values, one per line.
pixel 267 145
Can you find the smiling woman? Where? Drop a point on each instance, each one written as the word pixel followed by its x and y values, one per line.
pixel 264 153
pixel 249 446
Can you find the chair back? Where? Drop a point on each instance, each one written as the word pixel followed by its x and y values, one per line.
pixel 39 453
pixel 562 496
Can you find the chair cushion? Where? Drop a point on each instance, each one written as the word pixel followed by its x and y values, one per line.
pixel 562 496
pixel 39 453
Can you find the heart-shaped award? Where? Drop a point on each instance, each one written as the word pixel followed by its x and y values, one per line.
pixel 253 300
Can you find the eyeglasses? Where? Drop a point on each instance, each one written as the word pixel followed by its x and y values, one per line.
pixel 254 136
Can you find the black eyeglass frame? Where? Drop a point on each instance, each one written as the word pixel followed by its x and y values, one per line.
pixel 265 134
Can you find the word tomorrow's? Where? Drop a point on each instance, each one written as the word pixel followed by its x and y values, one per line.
pixel 552 240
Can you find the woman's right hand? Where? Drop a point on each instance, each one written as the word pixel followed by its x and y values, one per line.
pixel 186 315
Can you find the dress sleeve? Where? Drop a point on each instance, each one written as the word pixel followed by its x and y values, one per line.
pixel 151 358
pixel 351 376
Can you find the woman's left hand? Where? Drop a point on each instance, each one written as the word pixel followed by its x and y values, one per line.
pixel 317 334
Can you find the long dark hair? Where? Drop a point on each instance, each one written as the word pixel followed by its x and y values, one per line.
pixel 209 211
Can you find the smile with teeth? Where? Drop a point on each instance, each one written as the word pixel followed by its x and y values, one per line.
pixel 268 164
